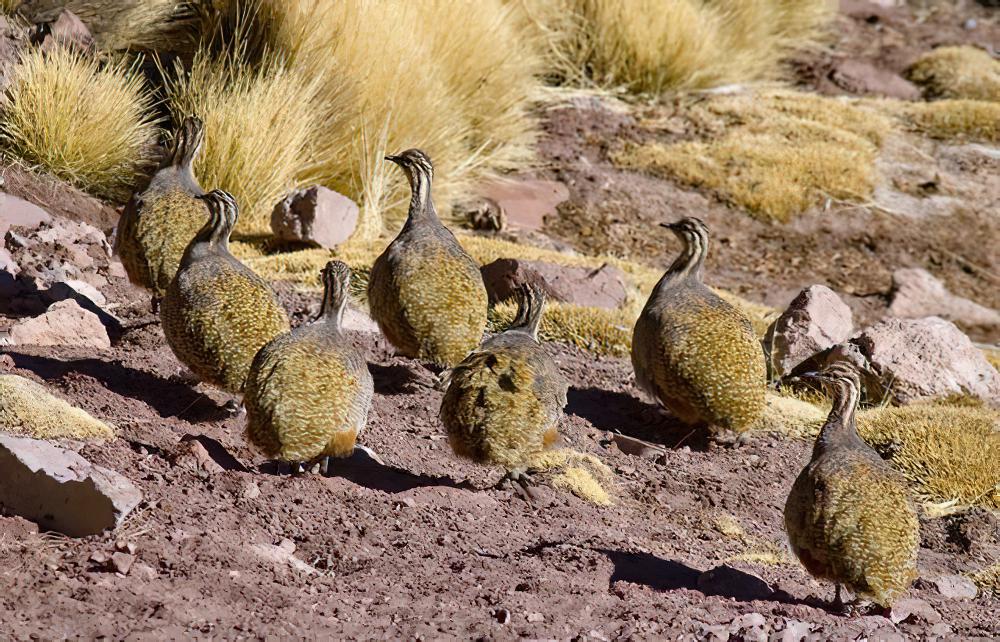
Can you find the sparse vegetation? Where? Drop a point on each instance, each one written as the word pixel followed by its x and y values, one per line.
pixel 957 72
pixel 27 408
pixel 774 153
pixel 988 580
pixel 87 123
pixel 649 46
pixel 582 474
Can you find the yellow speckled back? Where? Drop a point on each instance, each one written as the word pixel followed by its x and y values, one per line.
pixel 309 391
pixel 159 222
pixel 699 357
pixel 850 520
pixel 217 313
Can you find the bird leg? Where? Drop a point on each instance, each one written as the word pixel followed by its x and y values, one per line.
pixel 521 482
pixel 235 408
pixel 838 599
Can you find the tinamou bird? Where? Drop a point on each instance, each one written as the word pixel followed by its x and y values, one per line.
pixel 217 313
pixel 309 390
pixel 425 292
pixel 503 402
pixel 159 222
pixel 849 516
pixel 695 353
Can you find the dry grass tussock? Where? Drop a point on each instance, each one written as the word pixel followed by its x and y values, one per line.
pixel 143 25
pixel 951 119
pixel 85 122
pixel 988 580
pixel 649 46
pixel 455 81
pixel 8 7
pixel 958 73
pixel 27 408
pixel 259 125
pixel 773 153
pixel 582 474
pixel 598 330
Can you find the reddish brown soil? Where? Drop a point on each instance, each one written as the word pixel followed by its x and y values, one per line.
pixel 852 249
pixel 423 546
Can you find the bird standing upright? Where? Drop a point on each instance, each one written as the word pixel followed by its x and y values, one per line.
pixel 217 313
pixel 695 353
pixel 425 292
pixel 849 516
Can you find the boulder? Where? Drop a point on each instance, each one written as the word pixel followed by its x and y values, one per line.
pixel 603 287
pixel 907 360
pixel 956 587
pixel 316 216
pixel 525 203
pixel 862 77
pixel 65 323
pixel 68 31
pixel 815 320
pixel 17 212
pixel 916 293
pixel 60 490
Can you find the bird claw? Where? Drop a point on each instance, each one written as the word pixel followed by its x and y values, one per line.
pixel 521 482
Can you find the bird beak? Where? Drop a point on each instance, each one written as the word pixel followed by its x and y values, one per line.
pixel 669 226
pixel 394 159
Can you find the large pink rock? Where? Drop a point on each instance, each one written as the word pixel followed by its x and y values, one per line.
pixel 916 293
pixel 317 216
pixel 65 323
pixel 525 203
pixel 815 320
pixel 68 31
pixel 603 287
pixel 60 490
pixel 16 212
pixel 907 360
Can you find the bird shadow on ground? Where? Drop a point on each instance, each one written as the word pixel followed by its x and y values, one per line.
pixel 669 575
pixel 168 397
pixel 619 412
pixel 362 470
pixel 394 379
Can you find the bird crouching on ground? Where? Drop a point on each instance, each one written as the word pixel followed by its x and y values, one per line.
pixel 425 292
pixel 309 390
pixel 849 516
pixel 503 402
pixel 217 313
pixel 159 222
pixel 693 352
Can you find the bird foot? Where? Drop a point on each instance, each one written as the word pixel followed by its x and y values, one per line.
pixel 521 482
pixel 730 438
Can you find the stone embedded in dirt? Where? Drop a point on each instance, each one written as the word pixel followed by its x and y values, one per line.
pixel 281 556
pixel 956 587
pixel 637 447
pixel 794 631
pixel 862 77
pixel 17 212
pixel 525 202
pixel 535 618
pixel 916 293
pixel 60 490
pixel 194 456
pixel 911 359
pixel 122 562
pixel 65 323
pixel 317 216
pixel 731 582
pixel 815 320
pixel 603 287
pixel 143 572
pixel 69 31
pixel 914 610
pixel 501 615
pixel 59 198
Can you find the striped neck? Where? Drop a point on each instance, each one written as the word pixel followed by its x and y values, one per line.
pixel 336 285
pixel 690 263
pixel 530 304
pixel 840 428
pixel 421 203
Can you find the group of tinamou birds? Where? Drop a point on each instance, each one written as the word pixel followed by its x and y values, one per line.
pixel 307 391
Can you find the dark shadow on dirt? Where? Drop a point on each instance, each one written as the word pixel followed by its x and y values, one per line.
pixel 619 412
pixel 396 379
pixel 651 571
pixel 168 397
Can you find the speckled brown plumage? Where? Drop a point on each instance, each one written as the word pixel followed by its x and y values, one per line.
pixel 504 401
pixel 695 353
pixel 309 390
pixel 217 313
pixel 159 222
pixel 849 516
pixel 425 292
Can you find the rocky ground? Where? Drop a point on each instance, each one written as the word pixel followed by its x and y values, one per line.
pixel 422 545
